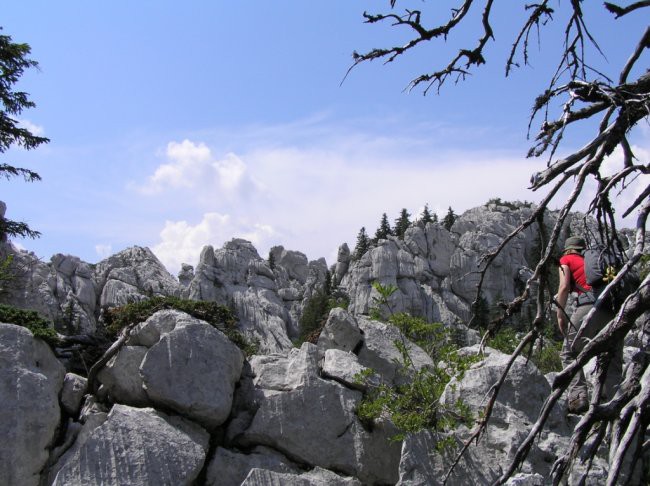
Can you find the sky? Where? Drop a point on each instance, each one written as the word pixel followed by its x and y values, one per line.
pixel 176 125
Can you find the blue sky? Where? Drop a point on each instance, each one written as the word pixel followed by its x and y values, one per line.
pixel 177 125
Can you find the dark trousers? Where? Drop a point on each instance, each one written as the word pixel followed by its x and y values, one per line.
pixel 571 349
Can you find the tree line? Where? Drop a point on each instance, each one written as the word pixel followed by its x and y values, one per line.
pixel 402 223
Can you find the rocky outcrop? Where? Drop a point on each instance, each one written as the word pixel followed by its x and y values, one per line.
pixel 176 362
pixel 268 301
pixel 435 270
pixel 515 410
pixel 137 446
pixel 312 420
pixel 30 381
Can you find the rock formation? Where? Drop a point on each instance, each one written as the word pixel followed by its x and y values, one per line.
pixel 179 403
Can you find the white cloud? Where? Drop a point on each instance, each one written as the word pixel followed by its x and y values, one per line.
pixel 182 242
pixel 37 130
pixel 193 170
pixel 314 196
pixel 103 250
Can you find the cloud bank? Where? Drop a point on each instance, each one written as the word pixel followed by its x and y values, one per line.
pixel 275 189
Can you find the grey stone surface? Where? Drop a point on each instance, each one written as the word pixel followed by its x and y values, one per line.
pixel 230 468
pixel 30 381
pixel 380 353
pixel 316 424
pixel 138 447
pixel 72 393
pixel 315 477
pixel 121 377
pixel 345 368
pixel 341 331
pixel 193 370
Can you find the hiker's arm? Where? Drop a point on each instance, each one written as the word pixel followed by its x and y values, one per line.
pixel 562 297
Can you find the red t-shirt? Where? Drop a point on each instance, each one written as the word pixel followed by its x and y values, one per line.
pixel 576 264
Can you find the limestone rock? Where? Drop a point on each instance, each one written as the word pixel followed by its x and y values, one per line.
pixel 138 446
pixel 380 353
pixel 193 370
pixel 341 331
pixel 282 373
pixel 178 362
pixel 316 424
pixel 268 301
pixel 121 377
pixel 72 394
pixel 132 275
pixel 515 410
pixel 345 368
pixel 30 381
pixel 230 468
pixel 315 477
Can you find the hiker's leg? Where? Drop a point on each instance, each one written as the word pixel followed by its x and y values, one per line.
pixel 571 349
pixel 599 320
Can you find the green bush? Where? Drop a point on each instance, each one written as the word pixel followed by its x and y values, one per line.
pixel 546 355
pixel 315 314
pixel 31 320
pixel 219 316
pixel 416 405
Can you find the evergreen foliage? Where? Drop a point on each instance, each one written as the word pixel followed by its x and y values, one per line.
pixel 218 316
pixel 449 219
pixel 271 260
pixel 31 320
pixel 384 229
pixel 363 243
pixel 426 217
pixel 415 405
pixel 546 355
pixel 402 223
pixel 14 61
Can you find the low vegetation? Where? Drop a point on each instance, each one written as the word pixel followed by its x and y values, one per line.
pixel 415 405
pixel 31 320
pixel 545 355
pixel 219 316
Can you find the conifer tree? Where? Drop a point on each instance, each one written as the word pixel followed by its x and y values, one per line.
pixel 402 223
pixel 363 243
pixel 384 229
pixel 426 216
pixel 13 62
pixel 449 219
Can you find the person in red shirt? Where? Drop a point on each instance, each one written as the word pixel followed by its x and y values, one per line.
pixel 572 279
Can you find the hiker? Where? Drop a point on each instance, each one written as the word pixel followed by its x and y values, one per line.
pixel 573 279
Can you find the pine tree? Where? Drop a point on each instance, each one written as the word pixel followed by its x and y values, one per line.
pixel 271 260
pixel 363 243
pixel 402 223
pixel 384 229
pixel 449 219
pixel 426 217
pixel 13 62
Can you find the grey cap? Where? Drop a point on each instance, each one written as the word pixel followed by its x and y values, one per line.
pixel 575 243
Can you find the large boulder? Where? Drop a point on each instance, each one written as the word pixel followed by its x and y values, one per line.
pixel 316 477
pixel 230 468
pixel 313 421
pixel 131 275
pixel 30 382
pixel 341 331
pixel 179 363
pixel 516 409
pixel 380 353
pixel 137 446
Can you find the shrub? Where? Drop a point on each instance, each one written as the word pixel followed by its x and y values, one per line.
pixel 218 316
pixel 416 405
pixel 546 355
pixel 31 320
